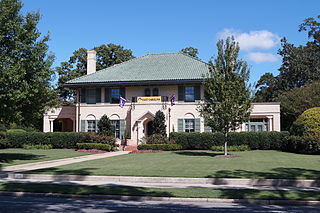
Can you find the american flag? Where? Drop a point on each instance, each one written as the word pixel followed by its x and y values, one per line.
pixel 173 99
pixel 122 102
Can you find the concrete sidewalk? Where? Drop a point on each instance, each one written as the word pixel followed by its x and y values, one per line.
pixel 59 162
pixel 167 182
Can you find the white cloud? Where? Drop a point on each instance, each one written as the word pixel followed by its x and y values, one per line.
pixel 259 57
pixel 261 39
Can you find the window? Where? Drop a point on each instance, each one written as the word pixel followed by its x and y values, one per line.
pixel 116 128
pixel 147 92
pixel 115 96
pixel 91 126
pixel 189 94
pixel 257 125
pixel 189 125
pixel 91 96
pixel 155 92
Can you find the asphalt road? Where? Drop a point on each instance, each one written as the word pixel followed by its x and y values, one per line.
pixel 34 205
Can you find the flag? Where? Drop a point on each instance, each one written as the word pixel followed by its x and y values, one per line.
pixel 122 102
pixel 173 99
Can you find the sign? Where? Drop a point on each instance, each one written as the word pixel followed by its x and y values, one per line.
pixel 151 99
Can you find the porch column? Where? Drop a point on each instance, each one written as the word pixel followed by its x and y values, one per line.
pixel 51 125
pixel 270 123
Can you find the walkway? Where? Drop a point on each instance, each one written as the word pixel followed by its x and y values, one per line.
pixel 59 162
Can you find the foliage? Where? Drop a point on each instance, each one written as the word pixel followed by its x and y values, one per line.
pixel 264 86
pixel 296 101
pixel 164 147
pixel 98 146
pixel 301 144
pixel 205 140
pixel 309 122
pixel 16 130
pixel 227 99
pixel 191 51
pixel 156 139
pixel 92 137
pixel 39 146
pixel 107 55
pixel 25 68
pixel 159 125
pixel 3 127
pixel 104 126
pixel 58 140
pixel 231 148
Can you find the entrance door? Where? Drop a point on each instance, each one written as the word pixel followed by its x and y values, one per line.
pixel 149 128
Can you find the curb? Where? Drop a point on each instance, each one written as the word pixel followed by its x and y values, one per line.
pixel 213 181
pixel 168 199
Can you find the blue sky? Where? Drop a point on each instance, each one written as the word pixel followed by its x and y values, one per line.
pixel 150 26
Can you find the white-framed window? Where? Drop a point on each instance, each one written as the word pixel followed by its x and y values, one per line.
pixel 189 94
pixel 91 96
pixel 91 125
pixel 257 125
pixel 116 128
pixel 189 125
pixel 115 95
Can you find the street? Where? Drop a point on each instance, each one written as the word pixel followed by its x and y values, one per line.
pixel 46 204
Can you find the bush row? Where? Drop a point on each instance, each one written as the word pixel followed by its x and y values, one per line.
pixel 255 140
pixel 231 148
pixel 25 146
pixel 164 147
pixel 298 144
pixel 98 146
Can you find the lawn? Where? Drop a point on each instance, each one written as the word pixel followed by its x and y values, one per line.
pixel 9 157
pixel 156 192
pixel 250 164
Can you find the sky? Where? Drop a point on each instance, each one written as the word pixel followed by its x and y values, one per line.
pixel 162 26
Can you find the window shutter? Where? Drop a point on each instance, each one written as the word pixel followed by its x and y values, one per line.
pixel 197 125
pixel 98 95
pixel 83 126
pixel 107 95
pixel 181 93
pixel 122 128
pixel 180 125
pixel 83 95
pixel 197 95
pixel 123 92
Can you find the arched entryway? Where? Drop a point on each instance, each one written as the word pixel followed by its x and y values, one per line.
pixel 149 128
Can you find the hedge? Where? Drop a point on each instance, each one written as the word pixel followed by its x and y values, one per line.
pixel 231 148
pixel 98 146
pixel 58 140
pixel 25 146
pixel 205 140
pixel 298 144
pixel 165 147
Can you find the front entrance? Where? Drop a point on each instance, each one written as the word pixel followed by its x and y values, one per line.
pixel 149 128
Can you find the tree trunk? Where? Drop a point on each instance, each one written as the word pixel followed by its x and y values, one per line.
pixel 225 143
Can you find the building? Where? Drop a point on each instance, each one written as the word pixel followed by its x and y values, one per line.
pixel 170 82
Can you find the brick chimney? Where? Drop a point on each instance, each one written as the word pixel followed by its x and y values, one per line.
pixel 91 61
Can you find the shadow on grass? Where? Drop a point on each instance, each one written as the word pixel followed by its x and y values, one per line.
pixel 10 157
pixel 197 153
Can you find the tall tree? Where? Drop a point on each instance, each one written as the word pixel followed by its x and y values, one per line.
pixel 25 66
pixel 107 55
pixel 265 88
pixel 104 126
pixel 190 51
pixel 227 99
pixel 159 125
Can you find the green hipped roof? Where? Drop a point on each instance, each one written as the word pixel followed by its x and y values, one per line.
pixel 163 67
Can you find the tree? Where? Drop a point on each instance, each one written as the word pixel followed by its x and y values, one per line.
pixel 227 99
pixel 158 125
pixel 265 86
pixel 296 101
pixel 25 67
pixel 107 55
pixel 190 51
pixel 104 126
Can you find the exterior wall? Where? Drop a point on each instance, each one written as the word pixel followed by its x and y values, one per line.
pixel 136 115
pixel 65 112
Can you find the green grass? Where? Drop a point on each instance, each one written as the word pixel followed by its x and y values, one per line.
pixel 251 164
pixel 9 157
pixel 172 192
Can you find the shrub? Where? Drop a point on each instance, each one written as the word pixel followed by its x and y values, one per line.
pixel 48 146
pixel 98 146
pixel 308 122
pixel 92 137
pixel 255 140
pixel 104 126
pixel 165 147
pixel 156 139
pixel 298 144
pixel 2 127
pixel 231 148
pixel 60 140
pixel 16 130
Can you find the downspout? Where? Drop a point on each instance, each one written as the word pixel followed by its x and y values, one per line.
pixel 79 98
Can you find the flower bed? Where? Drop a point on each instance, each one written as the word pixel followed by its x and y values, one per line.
pixel 91 150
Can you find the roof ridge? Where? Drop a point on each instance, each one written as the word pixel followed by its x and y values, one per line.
pixel 198 59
